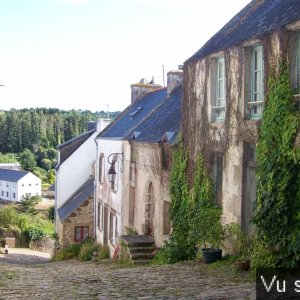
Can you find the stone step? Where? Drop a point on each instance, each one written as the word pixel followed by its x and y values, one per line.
pixel 142 261
pixel 140 248
pixel 147 249
pixel 140 256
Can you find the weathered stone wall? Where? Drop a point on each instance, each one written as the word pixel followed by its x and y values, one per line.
pixel 230 137
pixel 45 245
pixel 82 216
pixel 148 170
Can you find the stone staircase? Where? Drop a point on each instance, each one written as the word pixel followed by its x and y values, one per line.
pixel 139 248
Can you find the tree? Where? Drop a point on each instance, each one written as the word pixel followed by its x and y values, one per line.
pixel 27 160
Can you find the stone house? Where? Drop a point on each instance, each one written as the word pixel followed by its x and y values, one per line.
pixel 15 185
pixel 146 196
pixel 225 85
pixel 114 160
pixel 74 186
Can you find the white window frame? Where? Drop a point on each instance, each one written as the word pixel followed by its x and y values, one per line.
pixel 257 83
pixel 219 99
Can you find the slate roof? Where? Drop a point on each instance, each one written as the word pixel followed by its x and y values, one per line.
pixel 77 199
pixel 70 146
pixel 12 175
pixel 258 18
pixel 163 124
pixel 133 115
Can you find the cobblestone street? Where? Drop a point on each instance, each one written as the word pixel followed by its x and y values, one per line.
pixel 78 280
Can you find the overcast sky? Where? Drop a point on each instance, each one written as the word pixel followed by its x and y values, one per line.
pixel 84 54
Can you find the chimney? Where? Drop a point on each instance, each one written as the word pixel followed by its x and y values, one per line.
pixel 90 125
pixel 175 78
pixel 143 87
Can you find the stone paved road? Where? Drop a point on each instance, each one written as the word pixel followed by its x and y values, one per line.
pixel 77 280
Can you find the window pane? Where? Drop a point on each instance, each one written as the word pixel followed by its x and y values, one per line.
pixel 85 232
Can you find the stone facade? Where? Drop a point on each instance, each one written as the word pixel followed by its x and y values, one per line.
pixel 229 143
pixel 82 216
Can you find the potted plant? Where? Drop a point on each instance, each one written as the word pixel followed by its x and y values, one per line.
pixel 243 263
pixel 210 233
pixel 243 245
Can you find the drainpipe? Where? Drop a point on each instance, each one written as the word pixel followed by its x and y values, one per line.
pixel 95 191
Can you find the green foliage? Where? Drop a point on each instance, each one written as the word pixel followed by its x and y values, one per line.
pixel 277 215
pixel 195 218
pixel 9 221
pixel 43 127
pixel 82 251
pixel 103 252
pixel 262 255
pixel 87 250
pixel 36 233
pixel 27 205
pixel 25 223
pixel 180 209
pixel 131 230
pixel 51 211
pixel 67 253
pixel 27 160
pixel 205 226
pixel 8 158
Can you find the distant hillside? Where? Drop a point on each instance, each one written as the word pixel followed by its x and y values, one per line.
pixel 46 127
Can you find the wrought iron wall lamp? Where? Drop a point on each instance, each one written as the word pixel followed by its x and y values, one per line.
pixel 112 174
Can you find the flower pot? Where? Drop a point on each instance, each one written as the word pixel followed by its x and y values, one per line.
pixel 243 265
pixel 211 255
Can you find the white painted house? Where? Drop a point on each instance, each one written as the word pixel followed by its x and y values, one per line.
pixel 114 157
pixel 74 186
pixel 15 185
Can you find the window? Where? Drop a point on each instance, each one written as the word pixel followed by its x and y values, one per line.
pixel 2 193
pixel 112 227
pixel 81 233
pixel 255 105
pixel 14 195
pixel 7 194
pixel 218 89
pixel 131 205
pixel 101 167
pixel 99 220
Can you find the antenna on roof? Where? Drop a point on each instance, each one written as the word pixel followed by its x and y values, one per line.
pixel 163 68
pixel 107 113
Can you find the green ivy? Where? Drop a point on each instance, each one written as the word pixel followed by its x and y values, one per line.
pixel 277 216
pixel 195 218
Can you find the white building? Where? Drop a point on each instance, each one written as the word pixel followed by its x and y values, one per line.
pixel 114 157
pixel 16 185
pixel 74 186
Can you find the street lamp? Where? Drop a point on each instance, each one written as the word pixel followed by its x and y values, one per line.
pixel 112 174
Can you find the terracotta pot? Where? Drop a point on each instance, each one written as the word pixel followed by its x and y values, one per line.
pixel 243 265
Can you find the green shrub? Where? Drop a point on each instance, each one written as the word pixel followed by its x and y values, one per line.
pixel 67 253
pixel 261 254
pixel 278 173
pixel 86 251
pixel 103 252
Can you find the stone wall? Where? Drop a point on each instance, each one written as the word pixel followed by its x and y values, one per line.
pixel 82 216
pixel 45 245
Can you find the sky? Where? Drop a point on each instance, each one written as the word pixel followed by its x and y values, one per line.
pixel 85 54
